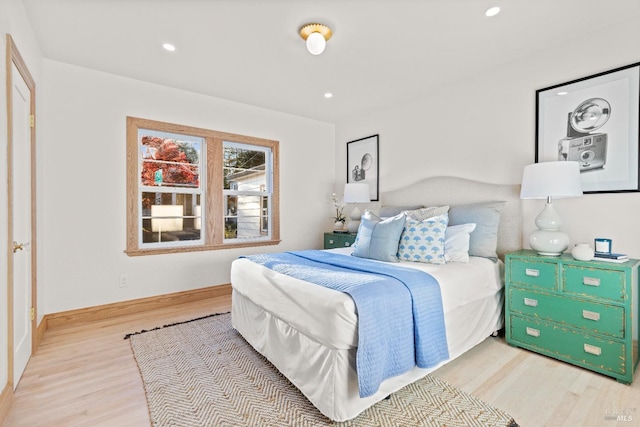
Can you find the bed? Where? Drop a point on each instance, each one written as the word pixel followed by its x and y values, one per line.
pixel 310 333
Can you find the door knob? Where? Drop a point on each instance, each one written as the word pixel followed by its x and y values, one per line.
pixel 17 246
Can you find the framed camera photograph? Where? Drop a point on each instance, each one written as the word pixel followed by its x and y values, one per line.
pixel 594 121
pixel 362 163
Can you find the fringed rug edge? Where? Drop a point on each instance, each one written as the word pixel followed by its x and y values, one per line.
pixel 127 336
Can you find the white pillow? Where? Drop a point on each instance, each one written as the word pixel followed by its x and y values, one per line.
pixel 456 242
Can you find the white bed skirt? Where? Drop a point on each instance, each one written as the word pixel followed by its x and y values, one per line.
pixel 327 376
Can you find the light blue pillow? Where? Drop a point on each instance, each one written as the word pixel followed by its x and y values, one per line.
pixel 483 241
pixel 377 238
pixel 423 241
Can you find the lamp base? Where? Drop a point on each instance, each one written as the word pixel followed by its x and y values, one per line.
pixel 549 253
pixel 355 217
pixel 549 242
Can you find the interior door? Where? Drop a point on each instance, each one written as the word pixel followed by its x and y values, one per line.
pixel 21 221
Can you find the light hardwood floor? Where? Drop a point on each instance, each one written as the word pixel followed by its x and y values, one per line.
pixel 85 375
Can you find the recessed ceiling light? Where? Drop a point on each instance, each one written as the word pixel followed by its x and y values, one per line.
pixel 328 95
pixel 169 47
pixel 492 11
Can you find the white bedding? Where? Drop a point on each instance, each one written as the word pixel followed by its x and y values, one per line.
pixel 310 332
pixel 330 316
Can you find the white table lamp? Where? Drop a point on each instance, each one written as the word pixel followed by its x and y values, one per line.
pixel 545 181
pixel 356 193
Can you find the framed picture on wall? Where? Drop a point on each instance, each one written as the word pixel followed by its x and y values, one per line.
pixel 362 163
pixel 594 121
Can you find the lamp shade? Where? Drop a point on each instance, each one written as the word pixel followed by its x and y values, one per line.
pixel 356 193
pixel 551 179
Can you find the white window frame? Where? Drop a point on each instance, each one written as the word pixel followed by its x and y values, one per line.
pixel 200 191
pixel 266 193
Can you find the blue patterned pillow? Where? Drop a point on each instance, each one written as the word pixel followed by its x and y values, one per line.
pixel 423 241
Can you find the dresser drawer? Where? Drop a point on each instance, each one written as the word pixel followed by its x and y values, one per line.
pixel 585 315
pixel 594 282
pixel 570 345
pixel 336 240
pixel 535 274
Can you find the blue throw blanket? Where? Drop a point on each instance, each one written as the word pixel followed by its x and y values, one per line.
pixel 400 316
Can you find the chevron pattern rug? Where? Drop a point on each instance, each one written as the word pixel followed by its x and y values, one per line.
pixel 203 373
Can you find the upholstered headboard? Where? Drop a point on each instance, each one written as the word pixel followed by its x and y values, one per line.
pixel 438 191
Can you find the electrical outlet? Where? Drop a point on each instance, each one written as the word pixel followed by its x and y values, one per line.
pixel 122 281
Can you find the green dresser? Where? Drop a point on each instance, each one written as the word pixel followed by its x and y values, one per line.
pixel 338 240
pixel 581 312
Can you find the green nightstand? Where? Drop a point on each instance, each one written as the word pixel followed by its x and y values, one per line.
pixel 581 312
pixel 338 240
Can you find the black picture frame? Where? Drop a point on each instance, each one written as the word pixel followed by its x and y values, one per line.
pixel 363 163
pixel 605 109
pixel 594 120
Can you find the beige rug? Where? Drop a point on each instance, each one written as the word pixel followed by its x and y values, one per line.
pixel 203 373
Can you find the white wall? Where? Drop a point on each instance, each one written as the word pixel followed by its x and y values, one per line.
pixel 13 21
pixel 483 128
pixel 84 191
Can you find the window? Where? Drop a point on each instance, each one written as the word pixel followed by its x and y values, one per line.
pixel 171 188
pixel 197 189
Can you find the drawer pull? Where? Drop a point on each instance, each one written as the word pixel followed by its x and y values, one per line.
pixel 591 281
pixel 591 315
pixel 592 349
pixel 532 272
pixel 533 332
pixel 347 244
pixel 331 242
pixel 531 302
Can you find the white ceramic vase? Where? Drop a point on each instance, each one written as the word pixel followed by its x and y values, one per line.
pixel 338 225
pixel 582 252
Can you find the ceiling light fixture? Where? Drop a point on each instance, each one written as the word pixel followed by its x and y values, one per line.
pixel 169 47
pixel 316 36
pixel 492 11
pixel 328 95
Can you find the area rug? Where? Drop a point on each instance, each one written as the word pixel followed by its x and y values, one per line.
pixel 203 373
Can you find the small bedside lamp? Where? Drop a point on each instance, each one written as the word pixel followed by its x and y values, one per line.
pixel 356 193
pixel 545 181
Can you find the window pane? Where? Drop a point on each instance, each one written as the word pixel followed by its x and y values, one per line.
pixel 230 227
pixel 170 217
pixel 171 160
pixel 249 218
pixel 244 169
pixel 265 216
